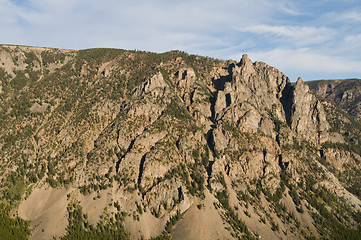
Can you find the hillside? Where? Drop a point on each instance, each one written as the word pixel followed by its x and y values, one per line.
pixel 116 144
pixel 346 94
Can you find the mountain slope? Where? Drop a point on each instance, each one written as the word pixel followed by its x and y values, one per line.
pixel 345 94
pixel 171 144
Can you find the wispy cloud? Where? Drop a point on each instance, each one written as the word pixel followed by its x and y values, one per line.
pixel 154 24
pixel 295 35
pixel 291 35
pixel 353 39
pixel 350 16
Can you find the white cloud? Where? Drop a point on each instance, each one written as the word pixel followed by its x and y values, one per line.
pixel 353 38
pixel 290 35
pixel 290 8
pixel 123 24
pixel 350 16
pixel 295 35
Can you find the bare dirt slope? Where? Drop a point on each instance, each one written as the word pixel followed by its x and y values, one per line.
pixel 202 221
pixel 46 208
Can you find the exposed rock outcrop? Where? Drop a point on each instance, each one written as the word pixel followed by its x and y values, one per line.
pixel 308 118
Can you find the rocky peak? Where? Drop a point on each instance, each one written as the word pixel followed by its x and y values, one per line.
pixel 299 81
pixel 302 90
pixel 308 119
pixel 252 90
pixel 247 68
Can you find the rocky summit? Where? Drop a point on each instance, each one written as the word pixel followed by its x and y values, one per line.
pixel 116 144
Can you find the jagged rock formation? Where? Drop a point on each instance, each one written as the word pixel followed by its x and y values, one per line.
pixel 172 144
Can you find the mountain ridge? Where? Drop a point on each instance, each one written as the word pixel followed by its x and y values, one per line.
pixel 344 93
pixel 137 140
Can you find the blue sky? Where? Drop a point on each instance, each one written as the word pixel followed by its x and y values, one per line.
pixel 311 39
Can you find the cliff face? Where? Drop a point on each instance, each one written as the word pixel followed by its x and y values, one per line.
pixel 174 144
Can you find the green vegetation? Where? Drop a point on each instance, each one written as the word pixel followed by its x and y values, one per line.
pixel 52 56
pixel 176 110
pixel 165 236
pixel 98 55
pixel 172 221
pixel 277 196
pixel 231 216
pixel 30 59
pixel 196 186
pixel 333 225
pixel 12 228
pixel 3 75
pixel 110 227
pixel 355 188
pixel 19 81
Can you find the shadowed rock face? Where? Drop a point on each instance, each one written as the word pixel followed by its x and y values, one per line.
pixel 233 146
